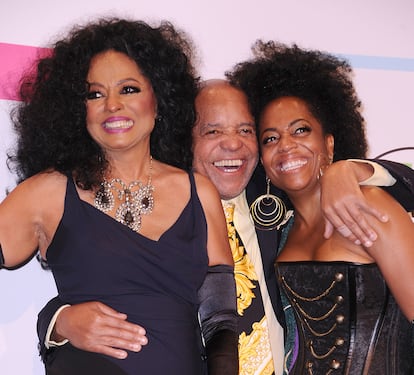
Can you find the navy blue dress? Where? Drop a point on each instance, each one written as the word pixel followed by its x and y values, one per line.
pixel 95 258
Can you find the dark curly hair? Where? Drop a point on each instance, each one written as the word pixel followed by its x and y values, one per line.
pixel 320 79
pixel 51 120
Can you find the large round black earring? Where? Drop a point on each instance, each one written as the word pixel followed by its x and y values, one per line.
pixel 268 211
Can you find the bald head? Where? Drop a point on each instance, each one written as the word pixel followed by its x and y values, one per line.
pixel 224 139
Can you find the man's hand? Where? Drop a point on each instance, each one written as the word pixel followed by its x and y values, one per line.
pixel 343 203
pixel 95 327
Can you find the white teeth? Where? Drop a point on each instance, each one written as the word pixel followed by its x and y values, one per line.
pixel 228 163
pixel 292 165
pixel 121 124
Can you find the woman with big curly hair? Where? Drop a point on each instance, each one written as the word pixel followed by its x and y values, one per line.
pixel 106 197
pixel 353 304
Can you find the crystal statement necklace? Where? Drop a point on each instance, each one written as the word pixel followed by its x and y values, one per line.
pixel 136 198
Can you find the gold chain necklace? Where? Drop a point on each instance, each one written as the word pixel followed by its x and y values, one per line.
pixel 137 200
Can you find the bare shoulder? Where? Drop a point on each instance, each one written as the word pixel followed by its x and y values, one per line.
pixel 379 197
pixel 205 188
pixel 171 187
pixel 383 201
pixel 172 177
pixel 37 205
pixel 46 184
pixel 50 179
pixel 168 174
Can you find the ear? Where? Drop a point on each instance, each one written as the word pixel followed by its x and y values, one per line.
pixel 329 144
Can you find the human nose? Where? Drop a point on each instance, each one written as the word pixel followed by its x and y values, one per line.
pixel 286 143
pixel 113 103
pixel 231 142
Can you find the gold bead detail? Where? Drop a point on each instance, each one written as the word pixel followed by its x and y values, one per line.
pixel 340 319
pixel 335 364
pixel 309 364
pixel 339 277
pixel 339 341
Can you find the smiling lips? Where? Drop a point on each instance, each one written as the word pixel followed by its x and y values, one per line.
pixel 292 165
pixel 117 124
pixel 229 165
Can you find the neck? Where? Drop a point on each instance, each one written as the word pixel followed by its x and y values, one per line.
pixel 307 208
pixel 228 198
pixel 132 169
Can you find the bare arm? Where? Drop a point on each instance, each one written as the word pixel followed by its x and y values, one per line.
pixel 218 244
pixel 29 216
pixel 393 250
pixel 344 205
pixel 20 224
pixel 217 294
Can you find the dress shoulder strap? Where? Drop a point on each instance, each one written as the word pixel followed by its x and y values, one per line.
pixel 192 183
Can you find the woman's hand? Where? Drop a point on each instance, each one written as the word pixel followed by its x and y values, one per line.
pixel 95 327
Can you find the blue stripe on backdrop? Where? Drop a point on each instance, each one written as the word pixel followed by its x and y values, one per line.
pixel 380 62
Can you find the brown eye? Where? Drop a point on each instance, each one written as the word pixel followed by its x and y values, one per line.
pixel 130 90
pixel 302 129
pixel 271 139
pixel 247 131
pixel 93 95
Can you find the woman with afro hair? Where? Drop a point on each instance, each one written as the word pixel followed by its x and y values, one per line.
pixel 349 307
pixel 108 199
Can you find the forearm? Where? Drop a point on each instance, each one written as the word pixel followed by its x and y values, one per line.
pixel 52 336
pixel 222 353
pixel 218 318
pixel 403 188
pixel 45 317
pixel 371 173
pixel 344 206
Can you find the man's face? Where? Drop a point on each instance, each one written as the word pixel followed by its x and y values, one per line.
pixel 224 139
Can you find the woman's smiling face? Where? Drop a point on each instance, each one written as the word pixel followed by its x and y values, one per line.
pixel 293 144
pixel 121 105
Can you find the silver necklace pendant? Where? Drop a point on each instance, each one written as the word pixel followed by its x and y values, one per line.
pixel 104 199
pixel 129 215
pixel 137 197
pixel 144 199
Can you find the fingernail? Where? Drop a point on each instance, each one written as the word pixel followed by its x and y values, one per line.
pixel 384 218
pixel 357 242
pixel 368 243
pixel 373 236
pixel 136 348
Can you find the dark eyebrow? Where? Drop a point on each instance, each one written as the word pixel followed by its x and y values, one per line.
pixel 269 130
pixel 121 82
pixel 289 125
pixel 210 125
pixel 296 121
pixel 251 124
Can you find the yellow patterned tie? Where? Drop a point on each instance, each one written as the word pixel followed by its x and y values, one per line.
pixel 231 230
pixel 254 348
